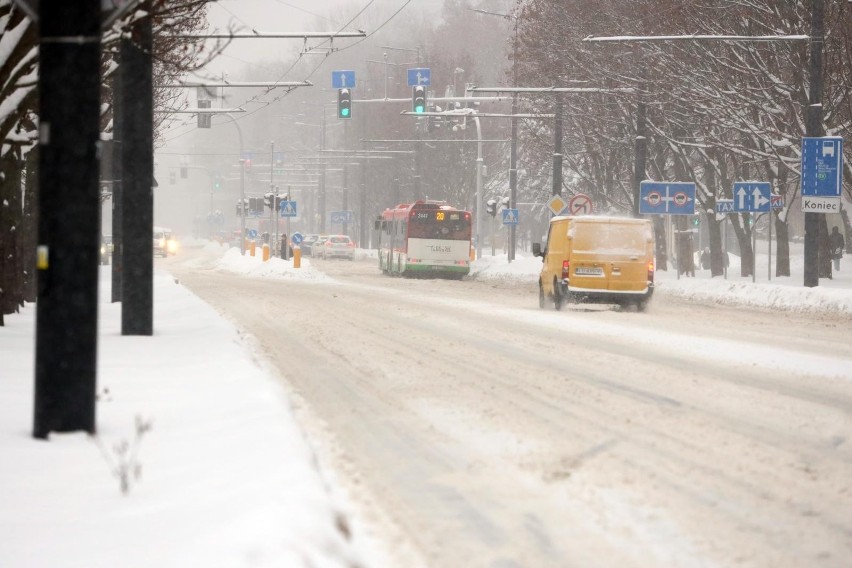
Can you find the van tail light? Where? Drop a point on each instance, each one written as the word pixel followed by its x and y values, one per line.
pixel 651 271
pixel 350 244
pixel 566 269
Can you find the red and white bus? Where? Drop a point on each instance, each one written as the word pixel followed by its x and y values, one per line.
pixel 424 238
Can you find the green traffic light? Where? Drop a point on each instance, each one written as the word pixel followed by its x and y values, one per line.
pixel 418 109
pixel 344 112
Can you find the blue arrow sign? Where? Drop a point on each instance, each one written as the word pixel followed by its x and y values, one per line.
pixel 822 166
pixel 419 76
pixel 342 79
pixel 510 216
pixel 297 238
pixel 752 197
pixel 252 233
pixel 288 209
pixel 666 198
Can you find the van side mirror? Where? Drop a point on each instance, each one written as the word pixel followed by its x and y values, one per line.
pixel 536 249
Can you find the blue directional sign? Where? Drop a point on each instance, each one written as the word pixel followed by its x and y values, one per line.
pixel 724 206
pixel 342 79
pixel 666 198
pixel 822 166
pixel 510 216
pixel 252 233
pixel 341 217
pixel 297 238
pixel 419 76
pixel 752 196
pixel 288 208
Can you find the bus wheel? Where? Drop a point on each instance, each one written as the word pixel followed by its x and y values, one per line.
pixel 558 300
pixel 542 301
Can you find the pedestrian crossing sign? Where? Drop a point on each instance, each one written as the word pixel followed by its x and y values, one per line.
pixel 510 216
pixel 288 209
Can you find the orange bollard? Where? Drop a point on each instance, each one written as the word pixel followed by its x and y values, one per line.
pixel 266 250
pixel 297 257
pixel 252 246
pixel 472 254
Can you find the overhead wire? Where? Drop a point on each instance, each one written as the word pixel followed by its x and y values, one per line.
pixel 297 61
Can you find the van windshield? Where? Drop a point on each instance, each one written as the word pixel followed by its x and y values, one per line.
pixel 609 238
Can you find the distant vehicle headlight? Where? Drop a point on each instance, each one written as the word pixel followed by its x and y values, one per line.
pixel 172 246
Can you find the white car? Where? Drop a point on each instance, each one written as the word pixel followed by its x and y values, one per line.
pixel 337 246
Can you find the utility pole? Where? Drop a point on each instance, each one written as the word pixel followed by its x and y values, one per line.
pixel 640 148
pixel 69 217
pixel 321 200
pixel 513 153
pixel 274 213
pixel 117 137
pixel 813 128
pixel 137 160
pixel 557 149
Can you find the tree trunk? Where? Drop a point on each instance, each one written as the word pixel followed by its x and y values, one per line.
pixel 782 247
pixel 683 239
pixel 660 239
pixel 29 226
pixel 10 216
pixel 824 259
pixel 717 254
pixel 743 235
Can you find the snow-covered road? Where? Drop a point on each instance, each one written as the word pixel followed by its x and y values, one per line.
pixel 473 429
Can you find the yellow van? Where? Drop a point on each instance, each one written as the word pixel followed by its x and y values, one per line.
pixel 597 259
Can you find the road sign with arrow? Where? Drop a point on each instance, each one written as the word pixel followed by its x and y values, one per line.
pixel 752 197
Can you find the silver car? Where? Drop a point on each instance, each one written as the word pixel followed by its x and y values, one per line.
pixel 337 246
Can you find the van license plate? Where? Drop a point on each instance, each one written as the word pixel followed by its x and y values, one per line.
pixel 588 271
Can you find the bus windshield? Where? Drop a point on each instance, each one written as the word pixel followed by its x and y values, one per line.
pixel 447 225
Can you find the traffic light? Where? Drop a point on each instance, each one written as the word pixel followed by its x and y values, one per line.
pixel 217 182
pixel 268 200
pixel 204 117
pixel 491 207
pixel 696 221
pixel 344 103
pixel 418 99
pixel 506 201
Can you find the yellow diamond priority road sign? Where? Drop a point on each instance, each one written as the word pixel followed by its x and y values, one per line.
pixel 556 204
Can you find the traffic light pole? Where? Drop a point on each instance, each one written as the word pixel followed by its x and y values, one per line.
pixel 242 184
pixel 478 187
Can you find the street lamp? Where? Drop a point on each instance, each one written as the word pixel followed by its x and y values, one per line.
pixel 513 151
